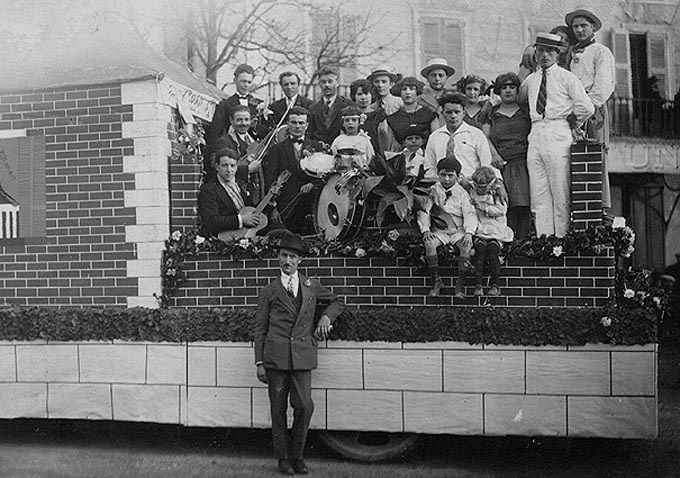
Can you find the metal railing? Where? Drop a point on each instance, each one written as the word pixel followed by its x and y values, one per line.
pixel 644 118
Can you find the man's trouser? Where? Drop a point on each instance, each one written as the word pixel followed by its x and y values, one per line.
pixel 548 161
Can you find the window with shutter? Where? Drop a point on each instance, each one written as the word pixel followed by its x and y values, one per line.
pixel 22 186
pixel 442 38
pixel 622 62
pixel 656 51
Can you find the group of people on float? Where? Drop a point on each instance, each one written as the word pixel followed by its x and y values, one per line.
pixel 497 161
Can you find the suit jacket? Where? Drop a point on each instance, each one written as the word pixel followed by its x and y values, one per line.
pixel 216 209
pixel 279 107
pixel 322 128
pixel 283 337
pixel 282 157
pixel 219 126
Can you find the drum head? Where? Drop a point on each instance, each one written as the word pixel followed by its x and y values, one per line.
pixel 336 216
pixel 318 164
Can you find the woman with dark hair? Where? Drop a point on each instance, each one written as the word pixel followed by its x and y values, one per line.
pixel 361 92
pixel 410 113
pixel 507 127
pixel 478 107
pixel 568 40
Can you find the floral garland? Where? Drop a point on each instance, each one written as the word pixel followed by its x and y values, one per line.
pixel 189 142
pixel 594 240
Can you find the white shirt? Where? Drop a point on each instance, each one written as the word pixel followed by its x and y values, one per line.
pixel 565 95
pixel 290 102
pixel 594 67
pixel 471 148
pixel 285 278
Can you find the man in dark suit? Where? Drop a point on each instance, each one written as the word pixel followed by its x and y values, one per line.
pixel 296 200
pixel 290 85
pixel 285 348
pixel 222 198
pixel 243 80
pixel 324 115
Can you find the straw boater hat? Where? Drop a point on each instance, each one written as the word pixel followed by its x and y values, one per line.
pixel 569 18
pixel 382 71
pixel 437 63
pixel 549 40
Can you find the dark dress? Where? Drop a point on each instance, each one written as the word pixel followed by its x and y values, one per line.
pixel 481 117
pixel 401 120
pixel 509 137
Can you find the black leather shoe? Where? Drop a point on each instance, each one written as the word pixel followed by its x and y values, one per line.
pixel 285 468
pixel 299 467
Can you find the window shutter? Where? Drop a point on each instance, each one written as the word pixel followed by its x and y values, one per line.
pixel 622 62
pixel 430 36
pixel 453 51
pixel 656 59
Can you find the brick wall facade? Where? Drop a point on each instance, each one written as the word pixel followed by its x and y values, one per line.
pixel 81 259
pixel 586 185
pixel 584 281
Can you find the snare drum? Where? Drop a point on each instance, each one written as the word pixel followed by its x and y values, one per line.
pixel 336 216
pixel 318 165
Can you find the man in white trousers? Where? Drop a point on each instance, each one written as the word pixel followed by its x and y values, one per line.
pixel 557 103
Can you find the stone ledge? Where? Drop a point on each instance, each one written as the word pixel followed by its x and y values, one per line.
pixel 484 371
pixel 612 417
pixel 77 400
pixel 525 415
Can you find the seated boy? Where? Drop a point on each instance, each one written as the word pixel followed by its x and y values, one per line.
pixel 447 217
pixel 408 166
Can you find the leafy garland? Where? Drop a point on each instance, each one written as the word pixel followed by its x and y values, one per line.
pixel 190 140
pixel 593 241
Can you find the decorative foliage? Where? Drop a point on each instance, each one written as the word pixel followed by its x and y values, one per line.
pixel 518 326
pixel 190 139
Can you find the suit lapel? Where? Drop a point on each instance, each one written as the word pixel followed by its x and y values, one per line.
pixel 224 196
pixel 304 290
pixel 335 109
pixel 283 296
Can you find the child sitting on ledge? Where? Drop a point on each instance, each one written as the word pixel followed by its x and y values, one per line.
pixel 447 217
pixel 492 228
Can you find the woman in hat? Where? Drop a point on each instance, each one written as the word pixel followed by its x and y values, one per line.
pixel 409 114
pixel 479 106
pixel 507 127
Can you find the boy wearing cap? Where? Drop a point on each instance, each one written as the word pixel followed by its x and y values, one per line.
pixel 285 339
pixel 593 64
pixel 556 99
pixel 352 139
pixel 408 166
pixel 383 81
pixel 447 217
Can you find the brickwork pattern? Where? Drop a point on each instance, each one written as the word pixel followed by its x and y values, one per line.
pixel 448 387
pixel 185 180
pixel 82 258
pixel 584 281
pixel 586 185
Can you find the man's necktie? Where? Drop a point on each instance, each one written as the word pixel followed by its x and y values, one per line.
pixel 326 107
pixel 289 287
pixel 542 96
pixel 299 140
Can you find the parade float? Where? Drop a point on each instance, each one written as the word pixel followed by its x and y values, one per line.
pixel 114 308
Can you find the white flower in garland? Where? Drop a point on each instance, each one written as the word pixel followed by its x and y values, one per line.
pixel 199 240
pixel 360 252
pixel 606 321
pixel 557 251
pixel 393 235
pixel 629 293
pixel 176 235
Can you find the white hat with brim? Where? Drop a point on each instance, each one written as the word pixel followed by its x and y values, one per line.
pixel 569 18
pixel 437 63
pixel 548 40
pixel 382 71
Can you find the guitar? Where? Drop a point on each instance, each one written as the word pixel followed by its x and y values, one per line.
pixel 250 232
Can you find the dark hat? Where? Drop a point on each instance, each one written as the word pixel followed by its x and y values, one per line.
pixel 437 63
pixel 548 40
pixel 449 163
pixel 382 71
pixel 291 241
pixel 349 152
pixel 411 130
pixel 569 18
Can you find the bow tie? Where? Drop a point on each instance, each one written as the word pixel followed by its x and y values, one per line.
pixel 297 140
pixel 449 193
pixel 242 97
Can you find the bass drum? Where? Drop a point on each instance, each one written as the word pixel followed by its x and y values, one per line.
pixel 336 216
